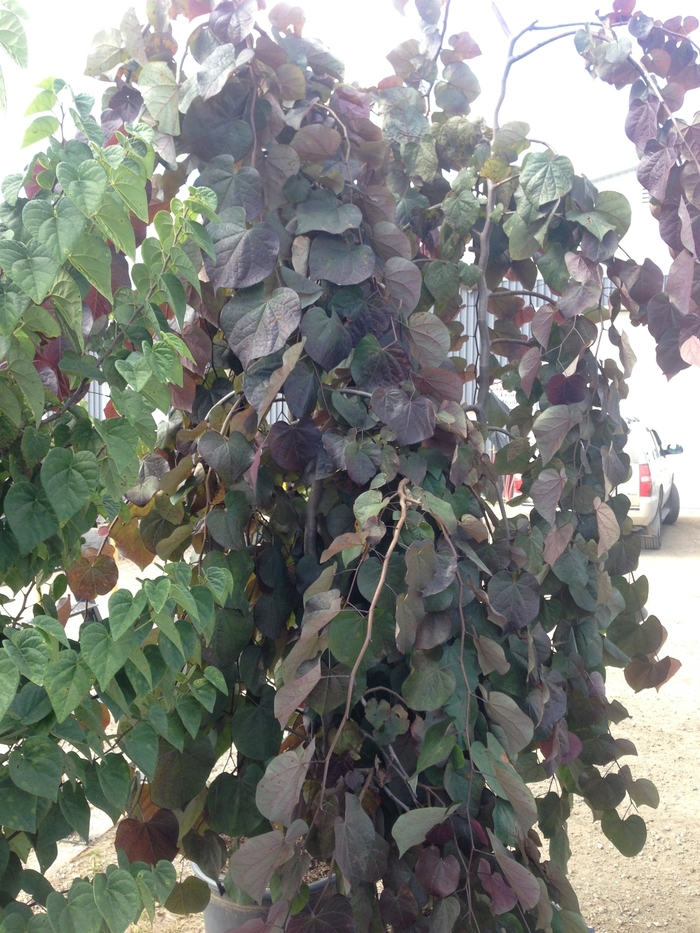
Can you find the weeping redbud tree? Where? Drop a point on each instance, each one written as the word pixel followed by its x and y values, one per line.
pixel 347 647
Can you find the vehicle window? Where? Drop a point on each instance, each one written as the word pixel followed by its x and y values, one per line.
pixel 633 447
pixel 652 446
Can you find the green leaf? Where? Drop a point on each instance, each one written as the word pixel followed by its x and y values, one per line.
pixel 44 100
pixel 615 208
pixel 69 309
pixel 117 898
pixel 231 803
pixel 115 780
pixel 114 222
pixel 9 405
pixel 37 767
pixel 436 745
pixel 51 627
pixel 131 188
pixel 80 915
pixel 41 127
pixel 411 828
pixel 9 681
pixel 190 896
pixel 442 281
pixel 180 776
pixel 27 378
pixel 255 732
pixel 628 835
pixel 58 226
pixel 323 211
pixel 214 676
pixel 30 651
pixel 124 609
pixel 545 177
pixel 104 654
pixel 141 744
pixel 92 258
pixel 106 52
pixel 161 91
pixel 75 808
pixel 427 687
pixel 12 37
pixel 69 480
pixel 17 808
pixel 121 441
pixel 30 267
pixel 461 212
pixel 84 184
pixel 593 221
pixel 28 515
pixel 67 683
pixel 157 592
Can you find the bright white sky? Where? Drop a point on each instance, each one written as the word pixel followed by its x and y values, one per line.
pixel 551 90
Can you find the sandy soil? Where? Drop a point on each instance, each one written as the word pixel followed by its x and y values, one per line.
pixel 661 887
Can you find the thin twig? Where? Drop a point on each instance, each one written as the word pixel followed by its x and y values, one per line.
pixel 251 116
pixel 368 636
pixel 482 309
pixel 106 537
pixel 311 526
pixel 222 401
pixel 340 123
pixel 443 33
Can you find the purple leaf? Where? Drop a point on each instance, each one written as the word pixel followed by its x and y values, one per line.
pixel 243 257
pixel 439 876
pixel 654 167
pixel 354 839
pixel 256 325
pixel 412 420
pixel 515 597
pixel 642 122
pixel 294 446
pixel 332 915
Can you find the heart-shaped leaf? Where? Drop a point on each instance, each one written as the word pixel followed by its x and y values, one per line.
pixel 439 876
pixel 230 457
pixel 149 841
pixel 412 420
pixel 374 366
pixel 256 325
pixel 333 259
pixel 327 341
pixel 404 281
pixel 243 257
pixel 323 211
pixel 84 184
pixel 92 575
pixel 628 835
pixel 293 446
pixel 58 227
pixel 242 188
pixel 517 597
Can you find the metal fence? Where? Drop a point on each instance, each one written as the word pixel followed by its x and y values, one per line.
pixel 98 395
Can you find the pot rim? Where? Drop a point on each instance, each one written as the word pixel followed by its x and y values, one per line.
pixel 218 888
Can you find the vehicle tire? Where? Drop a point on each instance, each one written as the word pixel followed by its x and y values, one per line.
pixel 652 539
pixel 674 506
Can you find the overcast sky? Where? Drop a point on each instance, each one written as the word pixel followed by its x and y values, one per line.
pixel 550 90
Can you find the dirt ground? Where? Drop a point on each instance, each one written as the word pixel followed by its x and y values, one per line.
pixel 660 889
